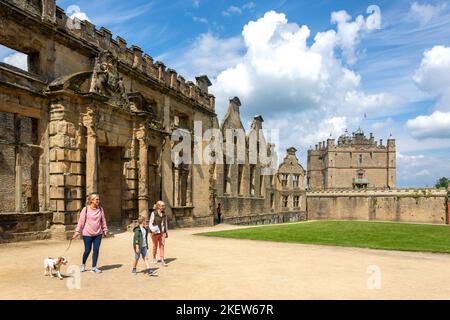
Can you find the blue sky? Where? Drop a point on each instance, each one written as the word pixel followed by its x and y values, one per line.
pixel 327 66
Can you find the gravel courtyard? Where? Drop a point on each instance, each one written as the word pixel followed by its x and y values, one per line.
pixel 214 268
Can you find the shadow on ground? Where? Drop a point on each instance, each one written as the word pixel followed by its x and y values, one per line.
pixel 110 267
pixel 169 260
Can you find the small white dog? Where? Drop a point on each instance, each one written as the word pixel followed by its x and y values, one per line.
pixel 51 265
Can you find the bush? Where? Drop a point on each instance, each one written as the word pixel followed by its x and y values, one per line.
pixel 442 183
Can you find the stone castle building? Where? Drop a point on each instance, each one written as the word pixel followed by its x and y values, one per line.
pixel 355 162
pixel 91 114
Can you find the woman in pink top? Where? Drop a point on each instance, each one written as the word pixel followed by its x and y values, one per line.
pixel 92 225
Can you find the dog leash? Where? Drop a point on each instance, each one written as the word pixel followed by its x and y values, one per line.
pixel 70 242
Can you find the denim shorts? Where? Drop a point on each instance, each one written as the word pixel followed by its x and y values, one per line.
pixel 143 253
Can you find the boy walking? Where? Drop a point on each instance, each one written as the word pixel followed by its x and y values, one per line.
pixel 140 245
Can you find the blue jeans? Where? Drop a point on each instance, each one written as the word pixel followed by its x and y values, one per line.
pixel 89 242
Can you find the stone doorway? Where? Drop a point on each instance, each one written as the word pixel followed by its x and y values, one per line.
pixel 111 183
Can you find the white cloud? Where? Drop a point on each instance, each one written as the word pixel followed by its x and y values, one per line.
pixel 436 125
pixel 281 76
pixel 234 10
pixel 119 14
pixel 411 160
pixel 17 59
pixel 249 5
pixel 200 19
pixel 424 13
pixel 73 11
pixel 389 122
pixel 207 55
pixel 423 172
pixel 299 85
pixel 433 76
pixel 420 170
pixel 349 32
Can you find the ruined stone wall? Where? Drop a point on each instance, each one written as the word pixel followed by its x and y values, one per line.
pixel 24 226
pixel 77 126
pixel 15 131
pixel 7 163
pixel 402 205
pixel 267 218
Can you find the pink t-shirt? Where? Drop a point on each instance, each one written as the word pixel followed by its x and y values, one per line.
pixel 92 222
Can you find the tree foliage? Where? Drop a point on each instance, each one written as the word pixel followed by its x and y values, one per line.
pixel 442 182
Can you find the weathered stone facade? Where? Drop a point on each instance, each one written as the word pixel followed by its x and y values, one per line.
pixel 92 115
pixel 401 205
pixel 356 162
pixel 253 193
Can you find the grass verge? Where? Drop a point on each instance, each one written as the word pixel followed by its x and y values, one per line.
pixel 363 234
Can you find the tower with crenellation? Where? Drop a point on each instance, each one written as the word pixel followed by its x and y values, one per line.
pixel 355 162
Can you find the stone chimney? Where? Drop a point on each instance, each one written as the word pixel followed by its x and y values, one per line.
pixel 291 151
pixel 235 102
pixel 203 83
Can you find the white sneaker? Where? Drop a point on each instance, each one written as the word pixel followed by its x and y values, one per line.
pixel 155 261
pixel 96 270
pixel 163 263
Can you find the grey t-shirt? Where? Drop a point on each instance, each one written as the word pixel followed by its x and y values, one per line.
pixel 144 235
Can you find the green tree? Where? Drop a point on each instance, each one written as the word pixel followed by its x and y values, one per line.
pixel 442 182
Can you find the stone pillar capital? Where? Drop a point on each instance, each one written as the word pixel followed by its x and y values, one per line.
pixel 141 136
pixel 140 131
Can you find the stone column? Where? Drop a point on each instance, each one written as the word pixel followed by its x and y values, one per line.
pixel 91 157
pixel 176 186
pixel 143 175
pixel 189 187
pixel 18 165
pixel 19 181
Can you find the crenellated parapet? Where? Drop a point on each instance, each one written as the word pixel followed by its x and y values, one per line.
pixel 380 192
pixel 129 57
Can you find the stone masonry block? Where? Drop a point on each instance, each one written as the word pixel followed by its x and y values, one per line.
pixel 59 167
pixel 61 128
pixel 56 180
pixel 56 192
pixel 76 168
pixel 58 217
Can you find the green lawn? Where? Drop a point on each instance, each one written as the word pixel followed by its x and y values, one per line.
pixel 375 235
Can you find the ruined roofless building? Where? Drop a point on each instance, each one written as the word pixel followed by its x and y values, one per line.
pixel 91 114
pixel 356 162
pixel 253 192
